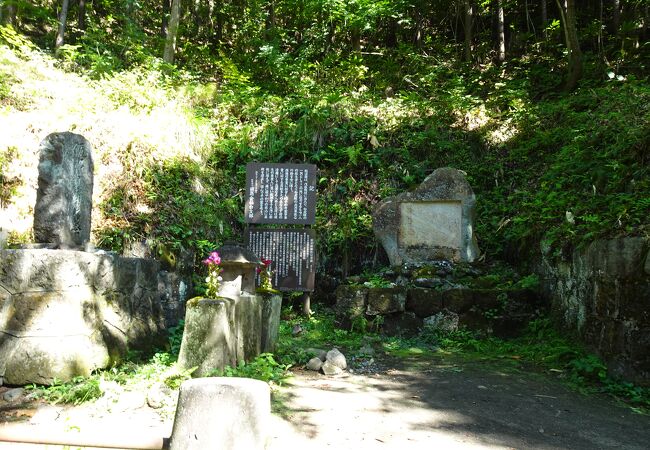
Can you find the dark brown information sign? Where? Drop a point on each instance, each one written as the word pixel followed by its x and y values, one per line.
pixel 280 193
pixel 292 252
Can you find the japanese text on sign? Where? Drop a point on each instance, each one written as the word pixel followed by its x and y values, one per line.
pixel 292 252
pixel 280 193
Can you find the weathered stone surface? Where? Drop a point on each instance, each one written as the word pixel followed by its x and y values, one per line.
pixel 602 293
pixel 271 307
pixel 424 302
pixel 65 185
pixel 209 340
pixel 104 312
pixel 13 394
pixel 406 324
pixel 385 300
pixel 458 300
pixel 223 413
pixel 42 359
pixel 445 321
pixel 336 358
pixel 350 304
pixel 238 270
pixel 248 326
pixel 4 236
pixel 220 332
pixel 428 282
pixel 620 258
pixel 433 222
pixel 314 364
pixel 329 368
pixel 159 395
pixel 173 291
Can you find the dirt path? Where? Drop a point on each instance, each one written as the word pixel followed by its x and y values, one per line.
pixel 450 406
pixel 428 405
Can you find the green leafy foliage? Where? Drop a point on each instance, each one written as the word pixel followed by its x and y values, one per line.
pixel 264 367
pixel 79 390
pixel 317 331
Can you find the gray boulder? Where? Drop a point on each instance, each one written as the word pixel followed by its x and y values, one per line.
pixel 13 394
pixel 336 358
pixel 330 368
pixel 315 364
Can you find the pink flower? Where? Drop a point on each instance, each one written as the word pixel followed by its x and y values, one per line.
pixel 266 262
pixel 212 259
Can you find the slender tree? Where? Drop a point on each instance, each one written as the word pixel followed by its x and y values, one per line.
pixel 63 17
pixel 544 17
pixel 170 42
pixel 81 15
pixel 616 16
pixel 568 15
pixel 8 16
pixel 164 24
pixel 501 34
pixel 468 25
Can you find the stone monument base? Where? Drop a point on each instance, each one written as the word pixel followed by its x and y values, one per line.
pixel 222 332
pixel 65 313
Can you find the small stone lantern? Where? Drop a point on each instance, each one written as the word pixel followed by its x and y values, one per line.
pixel 238 276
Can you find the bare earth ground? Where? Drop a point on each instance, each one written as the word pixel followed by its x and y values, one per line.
pixel 431 404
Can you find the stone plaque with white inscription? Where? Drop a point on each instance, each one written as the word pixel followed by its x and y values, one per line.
pixel 433 222
pixel 280 193
pixel 292 252
pixel 430 224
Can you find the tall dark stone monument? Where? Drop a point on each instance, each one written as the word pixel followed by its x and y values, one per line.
pixel 65 190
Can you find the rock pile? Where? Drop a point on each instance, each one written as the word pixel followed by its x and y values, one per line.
pixel 328 363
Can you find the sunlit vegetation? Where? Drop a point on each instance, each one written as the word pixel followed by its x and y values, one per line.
pixel 377 94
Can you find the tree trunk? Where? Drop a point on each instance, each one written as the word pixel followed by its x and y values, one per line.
pixel 469 22
pixel 646 19
pixel 81 16
pixel 501 32
pixel 170 42
pixel 568 16
pixel 544 14
pixel 269 26
pixel 10 17
pixel 529 22
pixel 63 17
pixel 417 33
pixel 355 39
pixel 391 34
pixel 164 25
pixel 616 16
pixel 217 34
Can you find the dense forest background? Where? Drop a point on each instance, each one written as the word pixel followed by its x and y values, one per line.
pixel 545 105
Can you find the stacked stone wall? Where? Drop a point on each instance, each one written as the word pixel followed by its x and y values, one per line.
pixel 602 292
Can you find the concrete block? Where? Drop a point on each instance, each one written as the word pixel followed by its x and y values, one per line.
pixel 222 413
